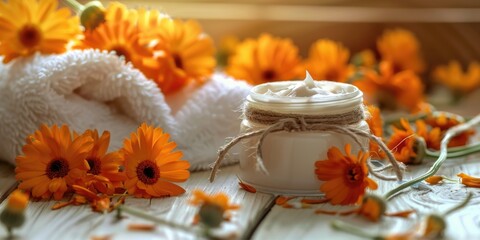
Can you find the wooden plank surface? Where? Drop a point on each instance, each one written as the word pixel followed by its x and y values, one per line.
pixel 79 222
pixel 305 224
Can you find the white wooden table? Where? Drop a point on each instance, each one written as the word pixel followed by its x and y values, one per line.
pixel 259 217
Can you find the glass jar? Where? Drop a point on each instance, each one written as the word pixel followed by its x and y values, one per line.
pixel 290 156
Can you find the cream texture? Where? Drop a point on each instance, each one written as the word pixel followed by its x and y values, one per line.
pixel 306 88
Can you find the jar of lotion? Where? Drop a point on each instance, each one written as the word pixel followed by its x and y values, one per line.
pixel 289 155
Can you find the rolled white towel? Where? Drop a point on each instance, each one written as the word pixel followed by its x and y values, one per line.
pixel 92 89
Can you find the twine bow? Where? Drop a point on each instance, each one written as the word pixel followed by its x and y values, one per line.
pixel 298 124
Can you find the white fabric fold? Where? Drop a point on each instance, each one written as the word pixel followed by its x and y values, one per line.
pixel 97 90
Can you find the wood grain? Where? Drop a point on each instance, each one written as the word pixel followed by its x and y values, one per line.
pixel 79 222
pixel 305 224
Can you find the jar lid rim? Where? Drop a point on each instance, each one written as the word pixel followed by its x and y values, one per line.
pixel 257 93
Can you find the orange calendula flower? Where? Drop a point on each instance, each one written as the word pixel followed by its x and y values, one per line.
pixel 346 176
pixel 184 53
pixel 404 144
pixel 375 124
pixel 29 26
pixel 152 164
pixel 52 161
pixel 469 181
pixel 214 209
pixel 104 174
pixel 456 79
pixel 389 90
pixel 402 49
pixel 145 20
pixel 445 121
pixel 265 59
pixel 121 37
pixel 432 136
pixel 328 60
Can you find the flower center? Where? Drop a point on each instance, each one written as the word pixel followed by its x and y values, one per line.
pixel 269 75
pixel 29 36
pixel 57 168
pixel 354 175
pixel 94 164
pixel 121 51
pixel 178 61
pixel 147 172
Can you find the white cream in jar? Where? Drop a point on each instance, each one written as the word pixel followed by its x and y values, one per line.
pixel 290 156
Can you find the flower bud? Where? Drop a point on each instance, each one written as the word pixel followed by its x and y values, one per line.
pixel 211 215
pixel 434 226
pixel 92 15
pixel 13 215
pixel 419 147
pixel 373 207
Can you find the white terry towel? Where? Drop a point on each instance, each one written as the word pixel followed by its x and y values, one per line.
pixel 96 90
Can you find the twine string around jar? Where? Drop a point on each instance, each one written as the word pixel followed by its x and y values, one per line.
pixel 279 122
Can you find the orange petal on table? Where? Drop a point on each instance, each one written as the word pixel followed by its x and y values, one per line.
pixel 141 227
pixel 59 205
pixel 315 201
pixel 346 213
pixel 432 180
pixel 282 200
pixel 247 187
pixel 401 214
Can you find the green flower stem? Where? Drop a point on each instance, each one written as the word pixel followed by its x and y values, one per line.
pixel 146 216
pixel 459 206
pixel 74 5
pixel 452 132
pixel 345 227
pixel 457 152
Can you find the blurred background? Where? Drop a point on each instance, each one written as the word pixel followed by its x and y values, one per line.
pixel 446 29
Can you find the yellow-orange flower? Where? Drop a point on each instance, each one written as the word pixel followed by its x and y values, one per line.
pixel 184 53
pixel 145 20
pixel 265 59
pixel 117 11
pixel 104 174
pixel 445 121
pixel 402 49
pixel 17 201
pixel 375 124
pixel 432 136
pixel 214 208
pixel 402 143
pixel 52 161
pixel 456 79
pixel 346 176
pixel 29 26
pixel 121 37
pixel 391 90
pixel 469 181
pixel 328 60
pixel 151 163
